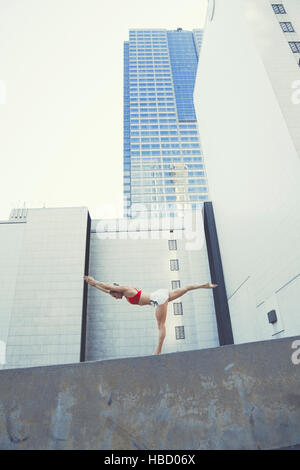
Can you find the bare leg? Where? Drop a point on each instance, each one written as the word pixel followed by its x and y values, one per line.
pixel 161 315
pixel 175 294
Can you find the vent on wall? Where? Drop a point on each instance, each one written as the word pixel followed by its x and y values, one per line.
pixel 272 317
pixel 18 214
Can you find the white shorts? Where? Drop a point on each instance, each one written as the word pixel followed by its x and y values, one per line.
pixel 159 297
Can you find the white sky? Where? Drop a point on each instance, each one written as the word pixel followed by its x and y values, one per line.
pixel 61 128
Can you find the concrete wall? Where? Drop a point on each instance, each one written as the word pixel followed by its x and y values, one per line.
pixel 41 286
pixel 250 138
pixel 142 259
pixel 232 397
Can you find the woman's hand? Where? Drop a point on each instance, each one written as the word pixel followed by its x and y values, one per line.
pixel 90 280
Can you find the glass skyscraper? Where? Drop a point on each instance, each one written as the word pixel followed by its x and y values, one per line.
pixel 163 164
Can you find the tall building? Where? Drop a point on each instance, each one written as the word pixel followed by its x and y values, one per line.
pixel 163 164
pixel 250 132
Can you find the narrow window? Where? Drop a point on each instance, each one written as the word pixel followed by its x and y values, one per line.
pixel 278 8
pixel 287 27
pixel 179 332
pixel 172 244
pixel 177 308
pixel 175 285
pixel 295 46
pixel 174 265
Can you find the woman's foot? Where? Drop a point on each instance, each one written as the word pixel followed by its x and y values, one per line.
pixel 208 285
pixel 156 352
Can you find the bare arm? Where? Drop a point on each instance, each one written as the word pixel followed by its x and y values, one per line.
pixel 108 287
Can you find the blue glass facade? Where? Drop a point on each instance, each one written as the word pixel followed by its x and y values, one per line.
pixel 163 164
pixel 184 61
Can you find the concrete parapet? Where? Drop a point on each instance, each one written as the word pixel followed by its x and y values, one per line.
pixel 243 396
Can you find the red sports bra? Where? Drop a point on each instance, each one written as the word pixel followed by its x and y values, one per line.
pixel 135 299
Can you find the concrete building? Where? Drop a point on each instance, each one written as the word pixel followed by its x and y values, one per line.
pixel 48 315
pixel 148 257
pixel 248 108
pixel 43 255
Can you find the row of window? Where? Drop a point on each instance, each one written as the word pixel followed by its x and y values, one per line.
pixel 165 146
pixel 287 27
pixel 165 126
pixel 148 166
pixel 138 81
pixel 145 162
pixel 163 94
pixel 162 133
pixel 161 194
pixel 146 182
pixel 179 199
pixel 152 54
pixel 148 98
pixel 168 159
pixel 146 62
pixel 151 110
pixel 141 185
pixel 153 156
pixel 146 43
pixel 152 73
pixel 143 173
pixel 155 207
pixel 163 139
pixel 177 306
pixel 150 81
pixel 145 88
pixel 150 123
pixel 160 111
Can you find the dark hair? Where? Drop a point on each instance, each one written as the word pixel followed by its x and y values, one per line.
pixel 114 292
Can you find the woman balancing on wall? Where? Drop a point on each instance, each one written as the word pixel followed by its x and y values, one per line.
pixel 158 299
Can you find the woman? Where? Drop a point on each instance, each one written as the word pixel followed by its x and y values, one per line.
pixel 158 299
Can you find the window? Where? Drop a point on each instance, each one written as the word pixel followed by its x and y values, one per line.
pixel 287 27
pixel 278 8
pixel 172 244
pixel 177 308
pixel 174 265
pixel 179 332
pixel 175 285
pixel 295 46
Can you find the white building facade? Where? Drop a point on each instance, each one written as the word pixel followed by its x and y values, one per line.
pixel 148 257
pixel 49 315
pixel 42 298
pixel 247 101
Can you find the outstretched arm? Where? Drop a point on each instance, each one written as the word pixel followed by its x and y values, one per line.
pixel 108 287
pixel 99 285
pixel 92 282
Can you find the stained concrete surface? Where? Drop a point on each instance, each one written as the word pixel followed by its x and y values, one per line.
pixel 232 397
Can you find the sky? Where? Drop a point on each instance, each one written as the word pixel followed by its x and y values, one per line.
pixel 61 103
